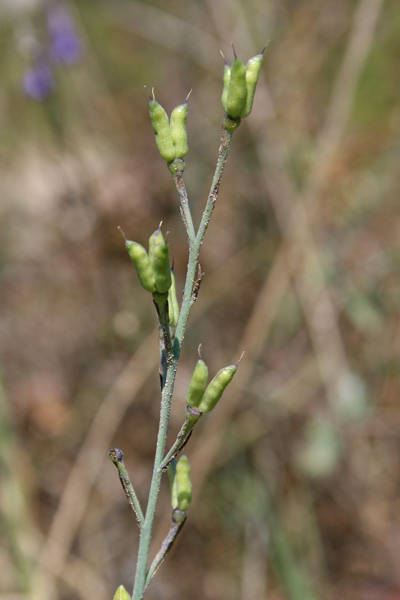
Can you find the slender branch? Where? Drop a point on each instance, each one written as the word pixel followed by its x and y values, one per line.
pixel 194 249
pixel 117 457
pixel 166 396
pixel 185 208
pixel 165 548
pixel 192 416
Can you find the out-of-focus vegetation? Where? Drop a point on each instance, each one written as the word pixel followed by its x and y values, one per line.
pixel 297 490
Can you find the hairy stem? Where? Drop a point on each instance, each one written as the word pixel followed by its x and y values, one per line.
pixel 166 396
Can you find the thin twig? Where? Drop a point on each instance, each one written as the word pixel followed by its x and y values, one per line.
pixel 165 548
pixel 117 457
pixel 185 209
pixel 166 396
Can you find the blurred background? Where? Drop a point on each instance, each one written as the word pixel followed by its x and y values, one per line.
pixel 296 472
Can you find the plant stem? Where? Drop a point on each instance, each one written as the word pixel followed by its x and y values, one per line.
pixel 117 458
pixel 165 548
pixel 181 438
pixel 166 396
pixel 185 209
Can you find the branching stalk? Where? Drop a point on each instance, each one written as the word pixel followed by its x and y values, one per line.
pixel 117 457
pixel 166 396
pixel 165 548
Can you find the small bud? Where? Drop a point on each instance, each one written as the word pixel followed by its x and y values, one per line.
pixel 178 516
pixel 121 594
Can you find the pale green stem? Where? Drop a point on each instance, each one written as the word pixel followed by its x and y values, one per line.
pixel 166 396
pixel 181 438
pixel 117 458
pixel 185 209
pixel 165 548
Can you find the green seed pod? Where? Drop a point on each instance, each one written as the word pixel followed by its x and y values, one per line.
pixel 173 483
pixel 183 483
pixel 159 258
pixel 236 98
pixel 143 265
pixel 178 130
pixel 226 80
pixel 252 72
pixel 121 594
pixel 216 388
pixel 180 483
pixel 160 123
pixel 173 306
pixel 197 384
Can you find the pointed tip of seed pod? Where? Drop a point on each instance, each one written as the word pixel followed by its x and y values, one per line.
pixel 234 51
pixel 159 227
pixel 116 455
pixel 122 233
pixel 121 594
pixel 222 54
pixel 240 358
pixel 147 90
pixel 265 46
pixel 187 97
pixel 199 352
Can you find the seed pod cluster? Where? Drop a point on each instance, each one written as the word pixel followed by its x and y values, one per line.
pixel 180 483
pixel 153 269
pixel 171 135
pixel 204 397
pixel 240 84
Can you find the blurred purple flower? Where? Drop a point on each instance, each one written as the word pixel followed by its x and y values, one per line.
pixel 65 46
pixel 38 82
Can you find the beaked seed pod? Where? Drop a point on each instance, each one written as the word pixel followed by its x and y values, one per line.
pixel 236 98
pixel 173 306
pixel 216 388
pixel 143 265
pixel 160 122
pixel 178 130
pixel 159 258
pixel 252 72
pixel 121 594
pixel 197 384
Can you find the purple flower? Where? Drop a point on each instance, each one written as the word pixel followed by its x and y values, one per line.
pixel 38 82
pixel 65 46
